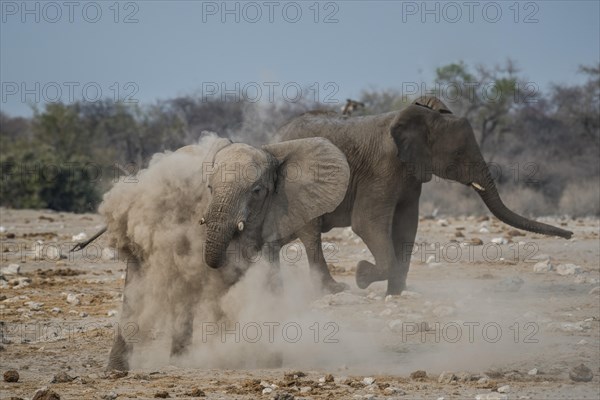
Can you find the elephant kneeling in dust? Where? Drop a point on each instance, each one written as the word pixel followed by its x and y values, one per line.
pixel 190 218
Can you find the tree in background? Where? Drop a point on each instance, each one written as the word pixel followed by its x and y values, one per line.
pixel 66 156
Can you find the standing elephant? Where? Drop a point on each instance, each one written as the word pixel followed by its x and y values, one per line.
pixel 197 218
pixel 390 156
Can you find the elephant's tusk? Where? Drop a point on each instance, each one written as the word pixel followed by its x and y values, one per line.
pixel 202 221
pixel 240 226
pixel 478 186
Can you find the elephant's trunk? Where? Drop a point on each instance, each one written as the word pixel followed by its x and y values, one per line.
pixel 488 192
pixel 220 228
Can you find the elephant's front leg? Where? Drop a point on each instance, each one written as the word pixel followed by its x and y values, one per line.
pixel 374 226
pixel 183 324
pixel 310 236
pixel 121 349
pixel 404 230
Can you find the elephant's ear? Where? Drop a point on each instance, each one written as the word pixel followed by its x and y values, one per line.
pixel 312 178
pixel 411 135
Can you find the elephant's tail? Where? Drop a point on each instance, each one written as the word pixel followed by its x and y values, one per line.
pixel 82 245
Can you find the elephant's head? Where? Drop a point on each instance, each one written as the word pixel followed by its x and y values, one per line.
pixel 263 195
pixel 431 140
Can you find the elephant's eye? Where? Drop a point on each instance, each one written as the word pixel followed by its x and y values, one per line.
pixel 257 190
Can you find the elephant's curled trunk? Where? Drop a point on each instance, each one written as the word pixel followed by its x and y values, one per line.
pixel 489 194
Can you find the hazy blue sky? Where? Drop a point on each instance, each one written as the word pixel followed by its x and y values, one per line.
pixel 180 47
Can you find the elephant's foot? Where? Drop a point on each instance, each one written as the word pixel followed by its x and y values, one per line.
pixel 119 355
pixel 367 273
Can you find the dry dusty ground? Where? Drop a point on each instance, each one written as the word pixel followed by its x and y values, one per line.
pixel 484 322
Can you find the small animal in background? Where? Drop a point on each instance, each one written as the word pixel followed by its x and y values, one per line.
pixel 350 106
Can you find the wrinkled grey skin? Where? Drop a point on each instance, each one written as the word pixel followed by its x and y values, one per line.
pixel 261 205
pixel 390 156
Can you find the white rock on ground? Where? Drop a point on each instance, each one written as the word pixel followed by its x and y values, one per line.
pixel 446 377
pixel 368 380
pixel 533 371
pixel 11 269
pixel 543 266
pixel 504 389
pixel 109 254
pixel 79 237
pixel 499 240
pixel 73 299
pixel 568 269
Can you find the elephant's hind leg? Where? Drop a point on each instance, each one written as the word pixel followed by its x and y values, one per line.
pixel 122 348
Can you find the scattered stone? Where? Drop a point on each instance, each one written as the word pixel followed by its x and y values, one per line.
pixel 339 299
pixel 196 393
pixel 492 396
pixel 305 389
pixel 543 266
pixel 410 295
pixel 533 371
pixel 595 290
pixel 329 378
pixel 581 373
pixel 116 374
pixel 19 283
pixel 62 377
pixel 83 314
pixel 390 391
pixel 510 284
pixel 45 394
pixel 34 306
pixel 293 375
pixel 267 390
pixel 568 269
pixel 499 240
pixel 473 242
pixel 442 222
pixel 484 230
pixel 79 237
pixel 110 396
pixel 541 257
pixel 109 254
pixel 447 377
pixel 73 299
pixel 163 394
pixel 368 381
pixel 112 313
pixel 11 269
pixel 504 389
pixel 418 375
pixel 11 376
